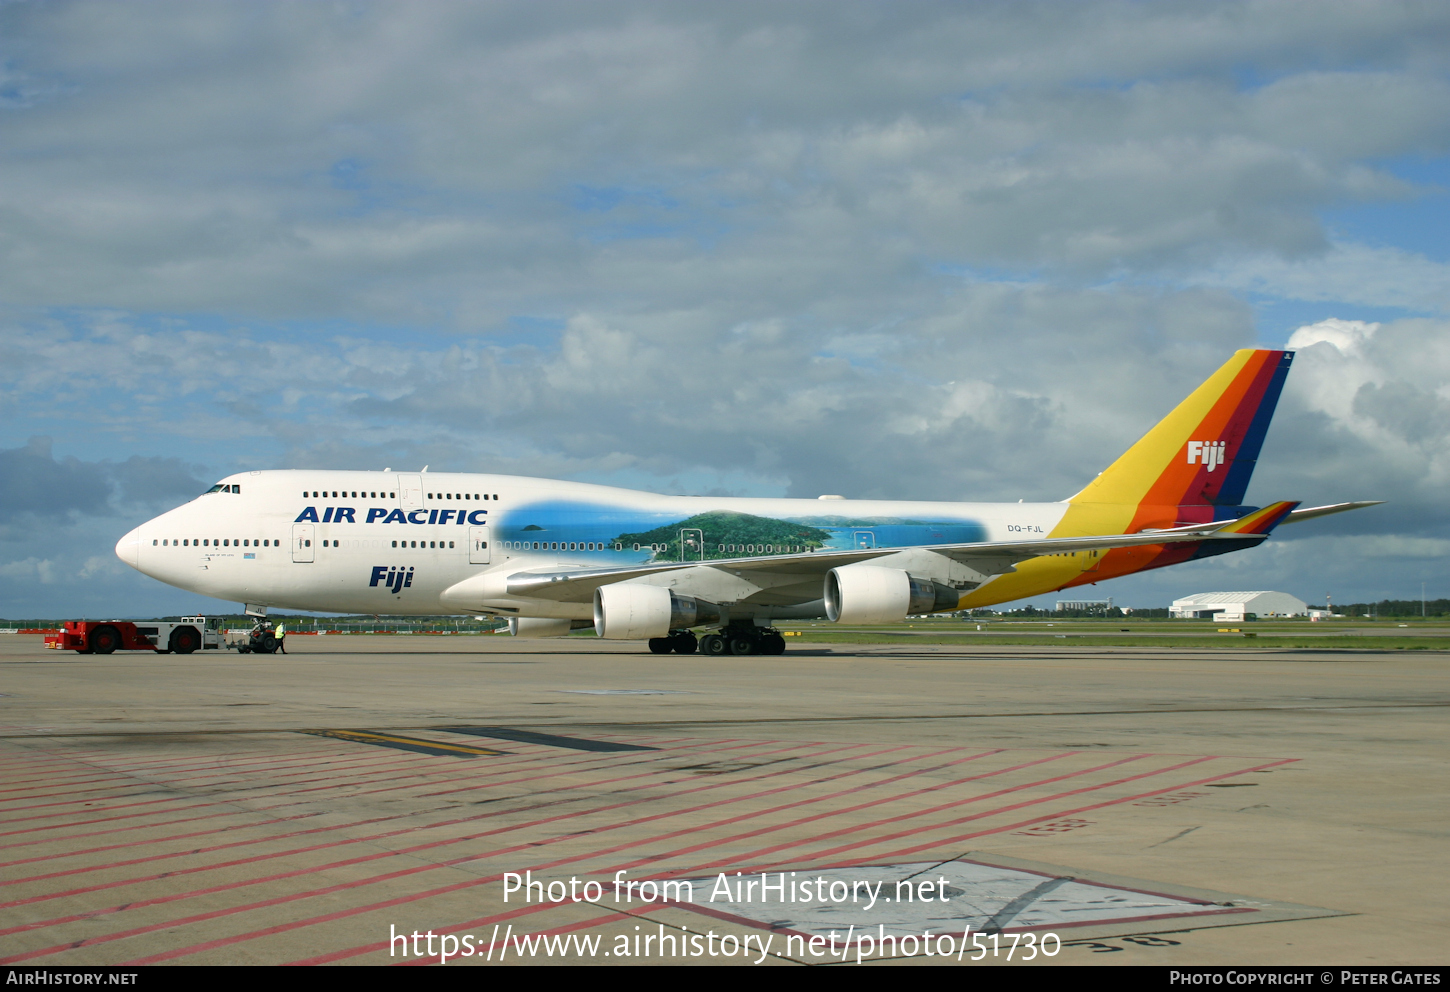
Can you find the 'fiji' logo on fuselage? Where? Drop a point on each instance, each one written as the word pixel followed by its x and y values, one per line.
pixel 392 576
pixel 1209 454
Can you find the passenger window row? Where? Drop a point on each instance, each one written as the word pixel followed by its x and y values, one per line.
pixel 212 542
pixel 426 544
pixel 460 496
pixel 560 546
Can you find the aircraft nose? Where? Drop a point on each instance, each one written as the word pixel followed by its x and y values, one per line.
pixel 128 549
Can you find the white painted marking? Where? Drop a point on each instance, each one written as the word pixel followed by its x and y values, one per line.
pixel 977 895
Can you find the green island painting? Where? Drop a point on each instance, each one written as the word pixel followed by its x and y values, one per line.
pixel 718 535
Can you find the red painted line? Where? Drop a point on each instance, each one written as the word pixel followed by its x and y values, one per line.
pixel 99 809
pixel 1083 809
pixel 484 921
pixel 342 756
pixel 996 811
pixel 115 830
pixel 106 867
pixel 347 862
pixel 483 779
pixel 382 835
pixel 533 777
pixel 916 814
pixel 180 952
pixel 313 761
pixel 830 813
pixel 104 819
pixel 190 852
pixel 24 753
pixel 122 783
pixel 528 771
pixel 309 760
pixel 710 844
pixel 339 955
pixel 334 755
pixel 398 900
pixel 75 778
pixel 69 775
pixel 130 783
pixel 565 763
pixel 174 837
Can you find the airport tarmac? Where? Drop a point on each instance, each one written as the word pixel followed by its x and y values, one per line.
pixel 1145 805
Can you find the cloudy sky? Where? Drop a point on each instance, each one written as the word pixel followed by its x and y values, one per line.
pixel 940 251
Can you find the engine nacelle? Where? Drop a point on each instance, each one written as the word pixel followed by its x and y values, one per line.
pixel 632 612
pixel 872 594
pixel 539 627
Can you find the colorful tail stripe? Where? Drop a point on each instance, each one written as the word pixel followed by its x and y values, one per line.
pixel 1261 521
pixel 1193 461
pixel 1205 450
pixel 1269 382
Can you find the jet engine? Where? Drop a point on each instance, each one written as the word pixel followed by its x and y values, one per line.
pixel 872 594
pixel 631 612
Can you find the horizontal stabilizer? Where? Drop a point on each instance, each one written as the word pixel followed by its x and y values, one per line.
pixel 1323 511
pixel 1260 521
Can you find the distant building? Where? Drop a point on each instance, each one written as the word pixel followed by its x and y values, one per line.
pixel 1086 605
pixel 1238 605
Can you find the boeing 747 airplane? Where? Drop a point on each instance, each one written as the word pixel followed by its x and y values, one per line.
pixel 555 556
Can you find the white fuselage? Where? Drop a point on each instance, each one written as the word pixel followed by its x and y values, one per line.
pixel 392 543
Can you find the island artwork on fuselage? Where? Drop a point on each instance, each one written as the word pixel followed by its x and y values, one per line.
pixel 553 556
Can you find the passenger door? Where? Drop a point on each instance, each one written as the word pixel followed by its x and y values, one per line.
pixel 410 492
pixel 478 553
pixel 302 537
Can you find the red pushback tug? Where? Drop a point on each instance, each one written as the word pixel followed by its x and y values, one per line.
pixel 161 636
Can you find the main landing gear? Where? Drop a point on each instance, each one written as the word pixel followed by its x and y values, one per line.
pixel 740 637
pixel 743 638
pixel 679 641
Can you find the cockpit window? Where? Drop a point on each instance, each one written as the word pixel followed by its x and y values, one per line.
pixel 214 489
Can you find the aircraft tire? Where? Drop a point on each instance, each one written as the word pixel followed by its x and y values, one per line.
pixel 684 643
pixel 104 640
pixel 772 644
pixel 744 645
pixel 714 645
pixel 661 645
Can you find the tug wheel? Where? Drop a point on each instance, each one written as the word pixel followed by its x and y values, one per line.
pixel 185 640
pixel 104 640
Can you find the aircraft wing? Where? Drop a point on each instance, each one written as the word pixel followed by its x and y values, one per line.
pixel 565 584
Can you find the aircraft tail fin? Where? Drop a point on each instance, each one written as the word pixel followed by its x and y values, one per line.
pixel 1203 453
